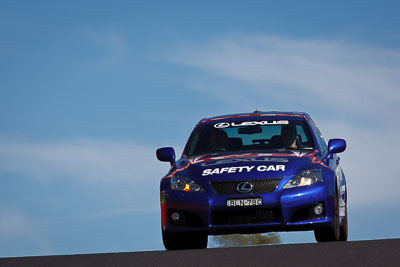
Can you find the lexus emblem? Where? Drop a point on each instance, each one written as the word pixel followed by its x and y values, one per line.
pixel 222 125
pixel 244 187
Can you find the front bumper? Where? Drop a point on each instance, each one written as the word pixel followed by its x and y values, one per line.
pixel 282 210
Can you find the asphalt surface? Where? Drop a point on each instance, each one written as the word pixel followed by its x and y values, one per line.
pixel 356 253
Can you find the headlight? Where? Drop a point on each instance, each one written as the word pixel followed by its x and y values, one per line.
pixel 304 178
pixel 185 184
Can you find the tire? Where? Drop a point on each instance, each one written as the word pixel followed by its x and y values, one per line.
pixel 178 241
pixel 344 226
pixel 332 233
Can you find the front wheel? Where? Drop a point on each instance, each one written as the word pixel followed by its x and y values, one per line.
pixel 332 233
pixel 344 226
pixel 175 241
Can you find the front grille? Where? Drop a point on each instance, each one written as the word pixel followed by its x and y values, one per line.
pixel 259 186
pixel 254 216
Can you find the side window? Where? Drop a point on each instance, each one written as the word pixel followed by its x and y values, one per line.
pixel 195 140
pixel 320 138
pixel 300 131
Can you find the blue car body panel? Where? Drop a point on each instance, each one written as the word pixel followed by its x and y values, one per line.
pixel 281 210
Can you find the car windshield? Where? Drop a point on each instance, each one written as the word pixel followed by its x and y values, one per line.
pixel 237 136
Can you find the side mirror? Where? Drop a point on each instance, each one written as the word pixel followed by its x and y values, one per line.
pixel 336 145
pixel 166 154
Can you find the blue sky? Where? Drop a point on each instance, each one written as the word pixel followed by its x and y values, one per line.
pixel 89 90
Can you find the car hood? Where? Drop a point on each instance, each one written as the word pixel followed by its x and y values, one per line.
pixel 246 166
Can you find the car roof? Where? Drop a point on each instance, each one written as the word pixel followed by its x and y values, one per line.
pixel 258 113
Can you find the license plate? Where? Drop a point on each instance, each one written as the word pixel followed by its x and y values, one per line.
pixel 244 202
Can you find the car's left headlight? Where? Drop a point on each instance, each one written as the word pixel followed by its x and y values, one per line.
pixel 304 178
pixel 185 184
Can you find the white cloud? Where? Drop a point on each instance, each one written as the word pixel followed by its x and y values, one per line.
pixel 358 79
pixel 84 159
pixel 110 45
pixel 16 225
pixel 126 174
pixel 104 181
pixel 369 163
pixel 351 90
pixel 78 181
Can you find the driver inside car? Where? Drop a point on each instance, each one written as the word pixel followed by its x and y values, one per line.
pixel 289 135
pixel 218 140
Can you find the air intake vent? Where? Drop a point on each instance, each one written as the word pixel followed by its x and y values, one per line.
pixel 255 216
pixel 259 186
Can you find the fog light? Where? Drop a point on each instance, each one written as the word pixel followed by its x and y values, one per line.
pixel 318 209
pixel 175 216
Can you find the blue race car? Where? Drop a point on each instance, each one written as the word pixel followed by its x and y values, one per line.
pixel 253 173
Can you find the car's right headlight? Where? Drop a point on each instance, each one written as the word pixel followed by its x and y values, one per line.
pixel 185 184
pixel 304 178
